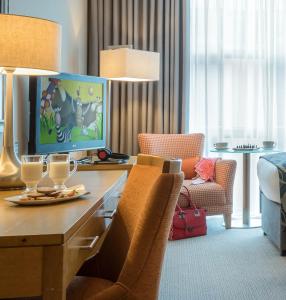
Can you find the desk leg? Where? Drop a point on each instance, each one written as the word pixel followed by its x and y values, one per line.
pixel 53 274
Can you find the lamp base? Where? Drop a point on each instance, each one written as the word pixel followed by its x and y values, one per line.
pixel 9 163
pixel 10 175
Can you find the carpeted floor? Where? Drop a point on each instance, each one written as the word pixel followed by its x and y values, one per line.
pixel 224 265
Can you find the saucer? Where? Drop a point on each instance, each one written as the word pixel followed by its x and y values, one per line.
pixel 221 148
pixel 68 194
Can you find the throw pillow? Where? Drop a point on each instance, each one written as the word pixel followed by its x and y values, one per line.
pixel 205 168
pixel 188 166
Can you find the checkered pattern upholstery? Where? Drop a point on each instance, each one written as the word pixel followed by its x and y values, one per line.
pixel 215 197
pixel 171 145
pixel 203 195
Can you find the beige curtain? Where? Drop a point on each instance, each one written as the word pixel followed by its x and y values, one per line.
pixel 154 25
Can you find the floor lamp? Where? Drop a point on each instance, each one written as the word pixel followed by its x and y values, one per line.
pixel 122 63
pixel 28 46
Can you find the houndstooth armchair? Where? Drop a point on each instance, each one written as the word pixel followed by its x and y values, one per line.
pixel 215 197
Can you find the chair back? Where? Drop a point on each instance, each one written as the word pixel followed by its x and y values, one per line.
pixel 133 250
pixel 171 145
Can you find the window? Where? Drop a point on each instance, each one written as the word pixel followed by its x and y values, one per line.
pixel 238 69
pixel 238 73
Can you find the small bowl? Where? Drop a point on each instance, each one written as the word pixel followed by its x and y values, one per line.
pixel 268 144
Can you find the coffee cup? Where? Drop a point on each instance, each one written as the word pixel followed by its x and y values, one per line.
pixel 221 145
pixel 268 144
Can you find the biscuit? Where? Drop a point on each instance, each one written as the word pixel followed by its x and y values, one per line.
pixel 35 195
pixel 46 190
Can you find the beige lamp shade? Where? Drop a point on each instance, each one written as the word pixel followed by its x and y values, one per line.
pixel 30 46
pixel 126 64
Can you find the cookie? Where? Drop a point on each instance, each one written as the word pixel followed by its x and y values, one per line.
pixel 35 195
pixel 45 198
pixel 54 194
pixel 46 190
pixel 26 199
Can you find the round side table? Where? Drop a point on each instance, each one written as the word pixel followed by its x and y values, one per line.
pixel 246 221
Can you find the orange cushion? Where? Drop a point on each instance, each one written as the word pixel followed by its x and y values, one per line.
pixel 188 166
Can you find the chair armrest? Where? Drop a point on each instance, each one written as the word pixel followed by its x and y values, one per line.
pixel 224 176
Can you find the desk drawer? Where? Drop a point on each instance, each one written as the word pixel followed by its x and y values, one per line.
pixel 83 244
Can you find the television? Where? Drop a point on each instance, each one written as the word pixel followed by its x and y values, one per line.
pixel 67 113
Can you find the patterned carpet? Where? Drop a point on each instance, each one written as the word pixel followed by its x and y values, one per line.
pixel 238 264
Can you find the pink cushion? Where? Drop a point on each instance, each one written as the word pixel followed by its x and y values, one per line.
pixel 205 168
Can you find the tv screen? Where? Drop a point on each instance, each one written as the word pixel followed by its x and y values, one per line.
pixel 68 113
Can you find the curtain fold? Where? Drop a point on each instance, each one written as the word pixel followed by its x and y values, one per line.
pixel 153 25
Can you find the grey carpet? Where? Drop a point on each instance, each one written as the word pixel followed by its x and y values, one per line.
pixel 225 264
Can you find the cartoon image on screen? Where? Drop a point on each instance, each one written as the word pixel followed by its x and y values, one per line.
pixel 70 111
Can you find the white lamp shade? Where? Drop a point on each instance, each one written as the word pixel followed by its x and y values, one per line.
pixel 125 64
pixel 30 46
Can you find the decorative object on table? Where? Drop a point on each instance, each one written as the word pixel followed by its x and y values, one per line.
pixel 68 113
pixel 122 63
pixel 188 222
pixel 59 169
pixel 246 147
pixel 42 198
pixel 268 144
pixel 221 145
pixel 105 154
pixel 29 46
pixel 32 171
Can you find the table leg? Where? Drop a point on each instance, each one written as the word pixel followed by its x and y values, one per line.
pixel 246 221
pixel 246 188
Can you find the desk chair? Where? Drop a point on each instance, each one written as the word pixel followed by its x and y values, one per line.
pixel 128 265
pixel 215 197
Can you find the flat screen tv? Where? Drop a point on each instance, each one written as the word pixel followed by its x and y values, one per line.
pixel 67 113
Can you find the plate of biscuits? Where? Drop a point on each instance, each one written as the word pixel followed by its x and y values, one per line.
pixel 48 195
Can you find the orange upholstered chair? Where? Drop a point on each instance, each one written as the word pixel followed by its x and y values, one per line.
pixel 215 196
pixel 128 265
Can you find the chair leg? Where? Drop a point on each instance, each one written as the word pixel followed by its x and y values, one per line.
pixel 227 221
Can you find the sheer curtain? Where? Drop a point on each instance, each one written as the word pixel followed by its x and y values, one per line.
pixel 238 80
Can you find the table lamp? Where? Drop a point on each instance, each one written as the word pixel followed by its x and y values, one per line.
pixel 28 46
pixel 122 63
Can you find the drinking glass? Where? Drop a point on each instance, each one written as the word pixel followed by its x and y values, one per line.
pixel 32 171
pixel 59 169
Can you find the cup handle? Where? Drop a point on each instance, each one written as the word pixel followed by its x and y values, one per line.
pixel 45 173
pixel 74 166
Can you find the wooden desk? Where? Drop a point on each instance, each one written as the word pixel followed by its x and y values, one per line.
pixel 42 248
pixel 126 166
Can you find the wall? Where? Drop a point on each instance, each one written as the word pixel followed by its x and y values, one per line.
pixel 72 15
